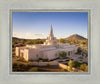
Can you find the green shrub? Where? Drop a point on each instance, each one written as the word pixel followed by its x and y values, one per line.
pixel 79 50
pixel 84 67
pixel 62 54
pixel 70 64
pixel 77 64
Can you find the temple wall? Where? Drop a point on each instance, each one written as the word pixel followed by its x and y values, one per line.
pixel 26 54
pixel 33 54
pixel 51 55
pixel 17 51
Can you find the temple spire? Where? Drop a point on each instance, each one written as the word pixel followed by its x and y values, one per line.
pixel 51 40
pixel 51 31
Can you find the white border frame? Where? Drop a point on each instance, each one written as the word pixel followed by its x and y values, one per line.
pixel 93 77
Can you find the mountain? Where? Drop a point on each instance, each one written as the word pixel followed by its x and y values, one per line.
pixel 76 37
pixel 15 38
pixel 26 39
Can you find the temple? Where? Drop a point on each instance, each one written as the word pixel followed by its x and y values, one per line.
pixel 49 50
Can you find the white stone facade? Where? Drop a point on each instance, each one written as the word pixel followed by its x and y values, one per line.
pixel 49 50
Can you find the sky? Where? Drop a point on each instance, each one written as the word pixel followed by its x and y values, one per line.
pixel 35 25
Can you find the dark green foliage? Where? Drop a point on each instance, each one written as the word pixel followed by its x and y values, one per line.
pixel 79 50
pixel 62 54
pixel 34 42
pixel 45 60
pixel 81 66
pixel 77 64
pixel 23 42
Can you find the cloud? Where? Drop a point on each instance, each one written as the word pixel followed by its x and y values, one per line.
pixel 85 36
pixel 29 35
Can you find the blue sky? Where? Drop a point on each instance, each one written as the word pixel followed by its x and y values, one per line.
pixel 34 25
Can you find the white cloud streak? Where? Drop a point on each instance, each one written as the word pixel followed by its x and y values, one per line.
pixel 29 35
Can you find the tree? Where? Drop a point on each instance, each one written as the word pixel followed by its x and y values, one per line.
pixel 76 64
pixel 84 67
pixel 62 54
pixel 70 64
pixel 79 50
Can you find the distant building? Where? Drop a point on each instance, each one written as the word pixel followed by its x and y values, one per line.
pixel 49 50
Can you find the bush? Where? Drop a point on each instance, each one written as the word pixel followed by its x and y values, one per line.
pixel 70 64
pixel 79 50
pixel 62 54
pixel 77 64
pixel 45 60
pixel 84 67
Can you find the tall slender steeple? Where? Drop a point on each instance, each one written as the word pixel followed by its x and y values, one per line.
pixel 51 32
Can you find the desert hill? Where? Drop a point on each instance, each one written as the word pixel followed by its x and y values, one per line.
pixel 76 37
